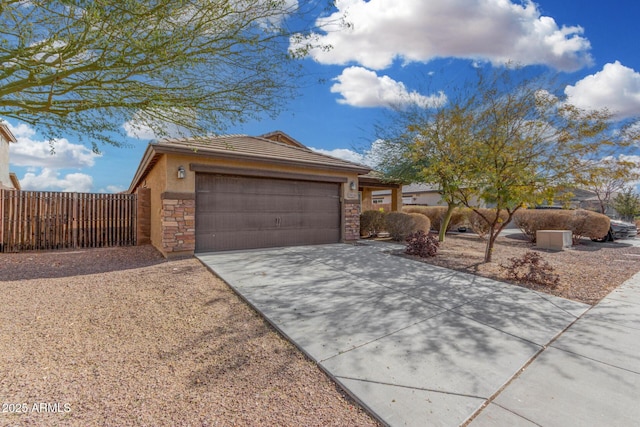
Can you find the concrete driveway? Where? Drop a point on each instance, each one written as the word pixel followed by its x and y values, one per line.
pixel 422 345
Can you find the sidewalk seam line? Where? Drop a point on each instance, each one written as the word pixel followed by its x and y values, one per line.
pixel 519 372
pixel 411 387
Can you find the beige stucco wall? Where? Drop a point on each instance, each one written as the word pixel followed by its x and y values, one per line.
pixel 423 199
pixel 429 199
pixel 156 181
pixel 5 181
pixel 188 184
pixel 163 177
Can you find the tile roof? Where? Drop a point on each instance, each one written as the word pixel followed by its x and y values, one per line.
pixel 252 147
pixel 244 147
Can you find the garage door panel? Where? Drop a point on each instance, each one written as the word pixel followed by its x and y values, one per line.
pixel 247 212
pixel 228 221
pixel 319 220
pixel 231 202
pixel 237 240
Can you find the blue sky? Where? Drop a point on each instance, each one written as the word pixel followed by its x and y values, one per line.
pixel 397 51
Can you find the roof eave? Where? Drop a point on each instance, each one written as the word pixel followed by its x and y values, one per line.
pixel 230 155
pixel 143 168
pixel 14 180
pixel 6 132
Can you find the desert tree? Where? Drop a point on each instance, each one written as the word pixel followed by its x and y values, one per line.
pixel 429 145
pixel 512 143
pixel 85 67
pixel 608 177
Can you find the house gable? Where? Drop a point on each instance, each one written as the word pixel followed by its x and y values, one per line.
pixel 6 138
pixel 279 136
pixel 198 186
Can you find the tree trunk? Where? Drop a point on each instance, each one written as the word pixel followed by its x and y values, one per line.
pixel 493 234
pixel 488 250
pixel 444 224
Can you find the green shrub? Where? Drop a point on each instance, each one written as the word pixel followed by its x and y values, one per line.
pixel 582 223
pixel 371 222
pixel 399 225
pixel 479 225
pixel 421 222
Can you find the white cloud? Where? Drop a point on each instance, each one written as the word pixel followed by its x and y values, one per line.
pixel 360 87
pixel 112 189
pixel 370 157
pixel 150 125
pixel 50 180
pixel 59 154
pixel 42 163
pixel 616 87
pixel 138 131
pixel 498 31
pixel 342 153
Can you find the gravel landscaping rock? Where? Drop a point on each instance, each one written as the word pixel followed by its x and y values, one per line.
pixel 587 271
pixel 122 337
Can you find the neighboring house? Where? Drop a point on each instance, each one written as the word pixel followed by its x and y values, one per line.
pixel 592 203
pixel 8 180
pixel 241 192
pixel 427 195
pixel 412 194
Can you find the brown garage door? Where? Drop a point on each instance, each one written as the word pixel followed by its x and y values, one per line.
pixel 234 212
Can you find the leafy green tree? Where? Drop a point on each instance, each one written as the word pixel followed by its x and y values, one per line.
pixel 510 143
pixel 85 67
pixel 430 146
pixel 627 204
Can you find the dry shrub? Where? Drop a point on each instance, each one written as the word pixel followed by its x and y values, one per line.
pixel 399 225
pixel 589 224
pixel 421 222
pixel 417 209
pixel 371 222
pixel 530 268
pixel 436 215
pixel 479 225
pixel 582 223
pixel 529 221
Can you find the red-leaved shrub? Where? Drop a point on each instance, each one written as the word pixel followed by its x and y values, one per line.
pixel 532 269
pixel 422 244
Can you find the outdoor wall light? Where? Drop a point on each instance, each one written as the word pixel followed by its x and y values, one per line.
pixel 352 186
pixel 181 172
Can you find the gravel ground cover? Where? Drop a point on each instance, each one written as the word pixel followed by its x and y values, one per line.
pixel 587 271
pixel 122 337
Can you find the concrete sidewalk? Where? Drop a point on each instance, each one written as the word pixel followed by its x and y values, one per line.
pixel 589 376
pixel 422 345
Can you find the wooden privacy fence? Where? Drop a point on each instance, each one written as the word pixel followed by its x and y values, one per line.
pixel 39 220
